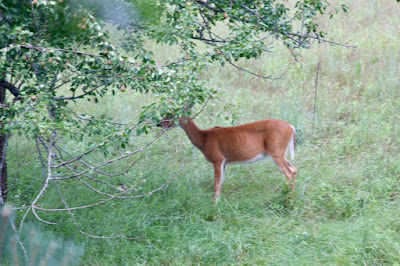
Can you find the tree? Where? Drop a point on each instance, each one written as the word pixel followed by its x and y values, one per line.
pixel 56 53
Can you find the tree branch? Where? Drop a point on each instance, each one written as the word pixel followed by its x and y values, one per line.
pixel 46 183
pixel 320 39
pixel 42 49
pixel 19 241
pixel 78 227
pixel 252 73
pixel 292 34
pixel 14 90
pixel 205 4
pixel 112 197
pixel 113 160
pixel 79 96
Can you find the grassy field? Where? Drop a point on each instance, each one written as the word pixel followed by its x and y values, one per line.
pixel 347 200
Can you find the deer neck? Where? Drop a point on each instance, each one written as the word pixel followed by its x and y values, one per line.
pixel 195 134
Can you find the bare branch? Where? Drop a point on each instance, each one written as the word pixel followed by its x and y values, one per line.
pixel 87 165
pixel 41 158
pixel 252 73
pixel 78 227
pixel 79 96
pixel 83 154
pixel 305 36
pixel 80 207
pixel 113 160
pixel 106 122
pixel 24 217
pixel 22 246
pixel 302 36
pixel 177 62
pixel 212 34
pixel 46 183
pixel 61 84
pixel 42 49
pixel 205 4
pixel 112 197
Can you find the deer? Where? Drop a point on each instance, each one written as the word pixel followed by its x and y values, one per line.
pixel 246 143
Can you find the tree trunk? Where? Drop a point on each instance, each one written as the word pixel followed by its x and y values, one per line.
pixel 3 151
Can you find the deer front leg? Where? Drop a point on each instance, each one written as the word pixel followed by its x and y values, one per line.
pixel 218 179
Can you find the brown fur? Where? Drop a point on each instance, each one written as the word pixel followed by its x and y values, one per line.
pixel 224 145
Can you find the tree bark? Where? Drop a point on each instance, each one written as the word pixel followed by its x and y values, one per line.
pixel 3 169
pixel 3 151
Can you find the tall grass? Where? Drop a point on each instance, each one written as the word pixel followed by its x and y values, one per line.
pixel 346 207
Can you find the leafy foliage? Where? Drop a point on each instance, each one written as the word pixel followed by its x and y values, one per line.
pixel 43 59
pixel 55 54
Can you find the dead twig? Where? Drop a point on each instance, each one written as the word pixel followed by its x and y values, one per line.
pixel 112 197
pixel 42 49
pixel 315 94
pixel 46 183
pixel 112 160
pixel 72 215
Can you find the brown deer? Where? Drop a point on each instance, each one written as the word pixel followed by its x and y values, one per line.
pixel 242 144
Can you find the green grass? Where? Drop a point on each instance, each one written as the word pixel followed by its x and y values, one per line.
pixel 347 200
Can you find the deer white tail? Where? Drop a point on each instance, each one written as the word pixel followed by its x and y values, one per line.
pixel 290 147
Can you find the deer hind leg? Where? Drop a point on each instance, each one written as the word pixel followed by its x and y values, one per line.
pixel 287 169
pixel 219 172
